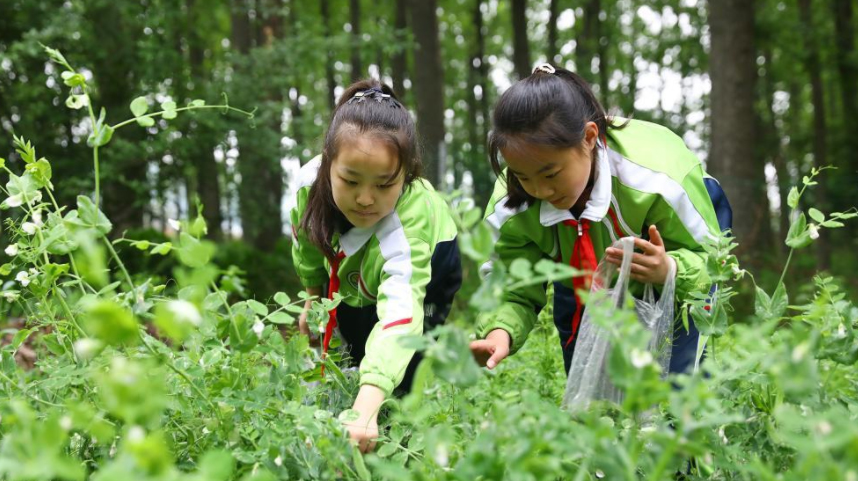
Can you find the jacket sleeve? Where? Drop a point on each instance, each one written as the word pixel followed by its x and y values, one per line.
pixel 308 260
pixel 519 309
pixel 405 273
pixel 685 221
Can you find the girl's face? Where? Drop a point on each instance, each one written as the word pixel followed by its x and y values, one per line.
pixel 555 175
pixel 361 180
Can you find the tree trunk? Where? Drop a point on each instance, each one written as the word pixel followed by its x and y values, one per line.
pixel 399 63
pixel 201 152
pixel 552 31
pixel 820 147
pixel 428 85
pixel 125 194
pixel 521 48
pixel 587 42
pixel 602 50
pixel 847 67
pixel 324 6
pixel 732 160
pixel 478 106
pixel 772 143
pixel 261 188
pixel 357 66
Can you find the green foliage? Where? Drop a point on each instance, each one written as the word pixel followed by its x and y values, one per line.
pixel 184 375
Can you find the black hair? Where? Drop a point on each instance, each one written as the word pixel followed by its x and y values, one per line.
pixel 548 109
pixel 366 108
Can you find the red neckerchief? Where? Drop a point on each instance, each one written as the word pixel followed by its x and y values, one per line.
pixel 333 288
pixel 583 258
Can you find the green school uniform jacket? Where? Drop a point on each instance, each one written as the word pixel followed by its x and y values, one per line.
pixel 387 266
pixel 646 175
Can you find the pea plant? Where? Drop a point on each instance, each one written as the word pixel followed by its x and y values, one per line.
pixel 190 380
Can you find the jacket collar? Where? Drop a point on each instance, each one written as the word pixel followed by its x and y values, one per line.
pixel 600 197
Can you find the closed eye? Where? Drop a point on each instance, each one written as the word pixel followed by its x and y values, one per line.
pixel 385 186
pixel 349 182
pixel 551 176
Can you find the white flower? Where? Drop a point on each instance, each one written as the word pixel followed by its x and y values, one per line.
pixel 185 312
pixel 23 277
pixel 29 227
pixel 86 348
pixel 10 296
pixel 176 225
pixel 824 428
pixel 738 273
pixel 37 217
pixel 15 200
pixel 66 423
pixel 641 359
pixel 136 433
pixel 258 326
pixel 12 250
pixel 813 230
pixel 441 456
pixel 278 461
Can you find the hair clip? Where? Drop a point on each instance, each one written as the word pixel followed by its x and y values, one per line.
pixel 544 67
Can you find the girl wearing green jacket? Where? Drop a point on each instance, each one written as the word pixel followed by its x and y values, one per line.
pixel 366 226
pixel 575 181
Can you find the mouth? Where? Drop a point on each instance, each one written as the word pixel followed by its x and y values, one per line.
pixel 362 213
pixel 557 200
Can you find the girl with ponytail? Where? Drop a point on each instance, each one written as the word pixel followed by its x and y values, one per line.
pixel 366 226
pixel 574 181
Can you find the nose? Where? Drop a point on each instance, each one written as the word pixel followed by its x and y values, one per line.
pixel 364 198
pixel 543 190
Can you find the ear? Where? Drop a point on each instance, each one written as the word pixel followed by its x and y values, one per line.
pixel 591 135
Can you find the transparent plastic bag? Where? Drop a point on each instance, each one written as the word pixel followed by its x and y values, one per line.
pixel 588 374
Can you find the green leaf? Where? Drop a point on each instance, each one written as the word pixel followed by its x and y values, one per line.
pixel 2 162
pixel 780 300
pixel 193 252
pixel 520 268
pixel 139 106
pixel 816 215
pixel 197 103
pixel 108 321
pixel 169 109
pixel 281 318
pixel 241 335
pixel 20 337
pixel 101 133
pixel 792 199
pixel 145 121
pixel 258 307
pixel 41 171
pixel 798 235
pixel 141 245
pixel 89 216
pixel 282 299
pixel 53 344
pixel 73 79
pixel 832 224
pixel 387 450
pixel 216 465
pixel 177 319
pixel 163 248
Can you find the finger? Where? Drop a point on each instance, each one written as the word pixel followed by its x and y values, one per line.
pixel 655 236
pixel 499 355
pixel 645 246
pixel 643 260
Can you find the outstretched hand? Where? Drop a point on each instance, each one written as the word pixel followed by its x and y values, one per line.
pixel 651 265
pixel 493 349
